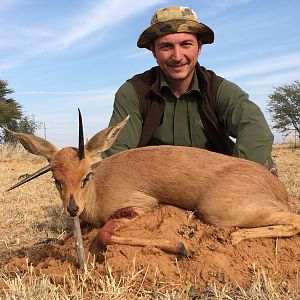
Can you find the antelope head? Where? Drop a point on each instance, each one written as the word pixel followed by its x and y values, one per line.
pixel 71 167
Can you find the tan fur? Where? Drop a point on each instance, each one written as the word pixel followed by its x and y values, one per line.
pixel 222 190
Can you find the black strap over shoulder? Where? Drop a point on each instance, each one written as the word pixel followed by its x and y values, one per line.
pixel 152 103
pixel 213 128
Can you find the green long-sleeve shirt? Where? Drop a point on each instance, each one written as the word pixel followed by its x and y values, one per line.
pixel 182 125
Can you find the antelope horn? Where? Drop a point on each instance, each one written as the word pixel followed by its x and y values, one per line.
pixel 81 139
pixel 32 176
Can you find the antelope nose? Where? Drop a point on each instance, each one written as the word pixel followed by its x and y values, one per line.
pixel 72 208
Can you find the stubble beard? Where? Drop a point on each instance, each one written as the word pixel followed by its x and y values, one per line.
pixel 178 77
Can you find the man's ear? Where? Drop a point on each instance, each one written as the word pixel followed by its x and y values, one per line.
pixel 199 47
pixel 152 49
pixel 199 50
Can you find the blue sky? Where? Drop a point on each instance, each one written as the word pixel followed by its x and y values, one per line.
pixel 58 55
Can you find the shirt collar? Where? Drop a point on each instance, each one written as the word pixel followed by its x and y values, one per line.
pixel 194 86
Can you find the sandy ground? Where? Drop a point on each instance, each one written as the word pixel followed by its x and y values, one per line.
pixel 214 260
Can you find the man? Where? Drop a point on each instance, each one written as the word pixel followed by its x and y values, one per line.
pixel 181 103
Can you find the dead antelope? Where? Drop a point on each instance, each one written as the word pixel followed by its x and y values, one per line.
pixel 222 190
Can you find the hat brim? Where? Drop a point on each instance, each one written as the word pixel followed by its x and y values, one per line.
pixel 172 26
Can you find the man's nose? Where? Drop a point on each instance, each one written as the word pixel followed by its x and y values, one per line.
pixel 177 54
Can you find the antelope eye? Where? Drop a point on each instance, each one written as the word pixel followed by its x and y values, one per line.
pixel 85 180
pixel 57 184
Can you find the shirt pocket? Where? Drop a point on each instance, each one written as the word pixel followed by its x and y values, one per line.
pixel 198 137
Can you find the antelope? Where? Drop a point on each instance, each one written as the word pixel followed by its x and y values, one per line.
pixel 109 193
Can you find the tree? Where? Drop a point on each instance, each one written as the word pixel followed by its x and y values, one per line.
pixel 11 115
pixel 284 106
pixel 25 124
pixel 9 108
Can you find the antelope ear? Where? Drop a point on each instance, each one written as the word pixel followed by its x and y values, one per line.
pixel 34 144
pixel 104 139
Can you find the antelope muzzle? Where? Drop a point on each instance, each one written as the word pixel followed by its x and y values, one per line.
pixel 72 208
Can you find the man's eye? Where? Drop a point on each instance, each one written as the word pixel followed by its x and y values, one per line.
pixel 57 184
pixel 85 180
pixel 165 47
pixel 187 44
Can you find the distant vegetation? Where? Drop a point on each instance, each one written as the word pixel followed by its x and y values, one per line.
pixel 12 116
pixel 284 106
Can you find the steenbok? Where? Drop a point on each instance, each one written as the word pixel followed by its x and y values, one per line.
pixel 222 190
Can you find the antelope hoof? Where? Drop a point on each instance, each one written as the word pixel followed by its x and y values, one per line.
pixel 185 249
pixel 182 250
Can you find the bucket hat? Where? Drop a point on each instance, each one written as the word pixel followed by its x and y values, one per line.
pixel 174 19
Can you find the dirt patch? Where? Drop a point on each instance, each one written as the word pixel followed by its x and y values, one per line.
pixel 215 259
pixel 31 219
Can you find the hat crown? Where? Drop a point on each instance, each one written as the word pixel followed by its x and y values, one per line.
pixel 173 13
pixel 174 19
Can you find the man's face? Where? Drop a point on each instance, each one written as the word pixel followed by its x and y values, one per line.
pixel 177 55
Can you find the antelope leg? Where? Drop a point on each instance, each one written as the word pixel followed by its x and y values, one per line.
pixel 107 237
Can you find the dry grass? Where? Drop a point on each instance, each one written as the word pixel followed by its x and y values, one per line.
pixel 288 160
pixel 35 215
pixel 126 287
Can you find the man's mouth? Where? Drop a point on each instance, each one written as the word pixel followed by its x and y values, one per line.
pixel 177 66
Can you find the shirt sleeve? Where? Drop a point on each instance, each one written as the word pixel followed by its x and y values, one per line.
pixel 246 123
pixel 126 103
